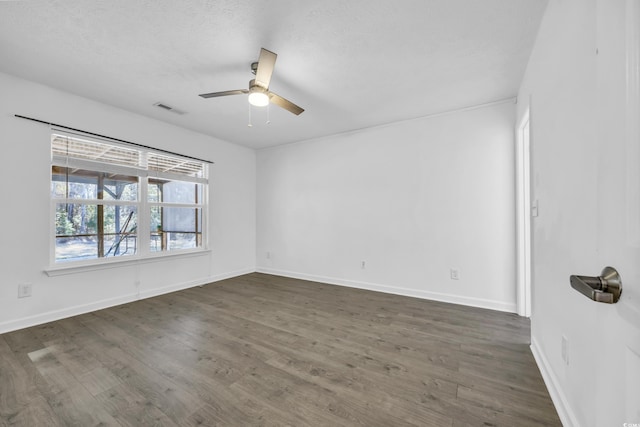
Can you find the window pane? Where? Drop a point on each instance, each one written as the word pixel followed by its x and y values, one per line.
pixel 73 184
pixel 181 220
pixel 86 184
pixel 76 248
pixel 120 230
pixel 174 191
pixel 120 187
pixel 154 190
pixel 81 235
pixel 177 241
pixel 175 228
pixel 175 165
pixel 76 236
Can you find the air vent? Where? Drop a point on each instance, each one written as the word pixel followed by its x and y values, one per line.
pixel 169 108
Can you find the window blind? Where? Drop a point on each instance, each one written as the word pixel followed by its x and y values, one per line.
pixel 82 153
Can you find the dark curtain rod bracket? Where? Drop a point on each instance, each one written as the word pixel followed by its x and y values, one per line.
pixel 112 139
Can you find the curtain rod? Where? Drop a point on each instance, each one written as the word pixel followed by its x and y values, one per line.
pixel 113 139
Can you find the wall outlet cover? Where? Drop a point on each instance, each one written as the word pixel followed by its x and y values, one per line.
pixel 24 290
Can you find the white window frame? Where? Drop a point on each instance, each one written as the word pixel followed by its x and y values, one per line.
pixel 143 206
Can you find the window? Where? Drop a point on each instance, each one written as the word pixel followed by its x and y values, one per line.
pixel 112 200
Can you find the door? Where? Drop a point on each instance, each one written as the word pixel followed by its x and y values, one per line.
pixel 618 208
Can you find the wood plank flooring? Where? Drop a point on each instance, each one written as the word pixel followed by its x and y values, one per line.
pixel 261 350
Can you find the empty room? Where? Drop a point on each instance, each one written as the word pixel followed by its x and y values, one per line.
pixel 328 213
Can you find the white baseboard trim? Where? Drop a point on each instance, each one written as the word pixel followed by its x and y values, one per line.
pixel 193 283
pixel 567 417
pixel 50 316
pixel 436 296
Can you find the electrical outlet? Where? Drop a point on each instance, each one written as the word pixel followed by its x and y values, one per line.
pixel 24 290
pixel 268 255
pixel 362 265
pixel 455 274
pixel 564 350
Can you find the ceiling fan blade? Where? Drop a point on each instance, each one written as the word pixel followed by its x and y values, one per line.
pixel 225 93
pixel 284 103
pixel 266 62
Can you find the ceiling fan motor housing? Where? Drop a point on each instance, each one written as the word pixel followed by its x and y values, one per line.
pixel 256 87
pixel 258 95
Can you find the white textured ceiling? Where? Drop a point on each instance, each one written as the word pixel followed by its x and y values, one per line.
pixel 350 63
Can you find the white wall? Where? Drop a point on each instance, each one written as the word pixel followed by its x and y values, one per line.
pixel 560 83
pixel 24 215
pixel 411 199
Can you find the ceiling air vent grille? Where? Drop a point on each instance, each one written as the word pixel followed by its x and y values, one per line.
pixel 168 108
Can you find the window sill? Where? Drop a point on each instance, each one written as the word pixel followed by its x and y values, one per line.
pixel 61 270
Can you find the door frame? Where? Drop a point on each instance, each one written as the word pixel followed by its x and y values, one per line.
pixel 523 215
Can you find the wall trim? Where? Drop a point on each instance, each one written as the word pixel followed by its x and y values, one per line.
pixel 435 296
pixel 559 399
pixel 50 316
pixel 116 262
pixel 512 100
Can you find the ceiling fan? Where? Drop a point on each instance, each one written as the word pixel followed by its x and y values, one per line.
pixel 259 93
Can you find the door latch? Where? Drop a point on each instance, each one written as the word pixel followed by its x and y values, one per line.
pixel 604 288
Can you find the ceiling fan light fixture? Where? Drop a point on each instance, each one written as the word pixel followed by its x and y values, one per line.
pixel 258 99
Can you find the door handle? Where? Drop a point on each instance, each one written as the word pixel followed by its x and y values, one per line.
pixel 604 288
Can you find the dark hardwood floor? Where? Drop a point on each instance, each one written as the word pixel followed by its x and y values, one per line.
pixel 267 350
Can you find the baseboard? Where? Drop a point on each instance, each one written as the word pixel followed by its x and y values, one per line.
pixel 558 397
pixel 198 282
pixel 436 296
pixel 50 316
